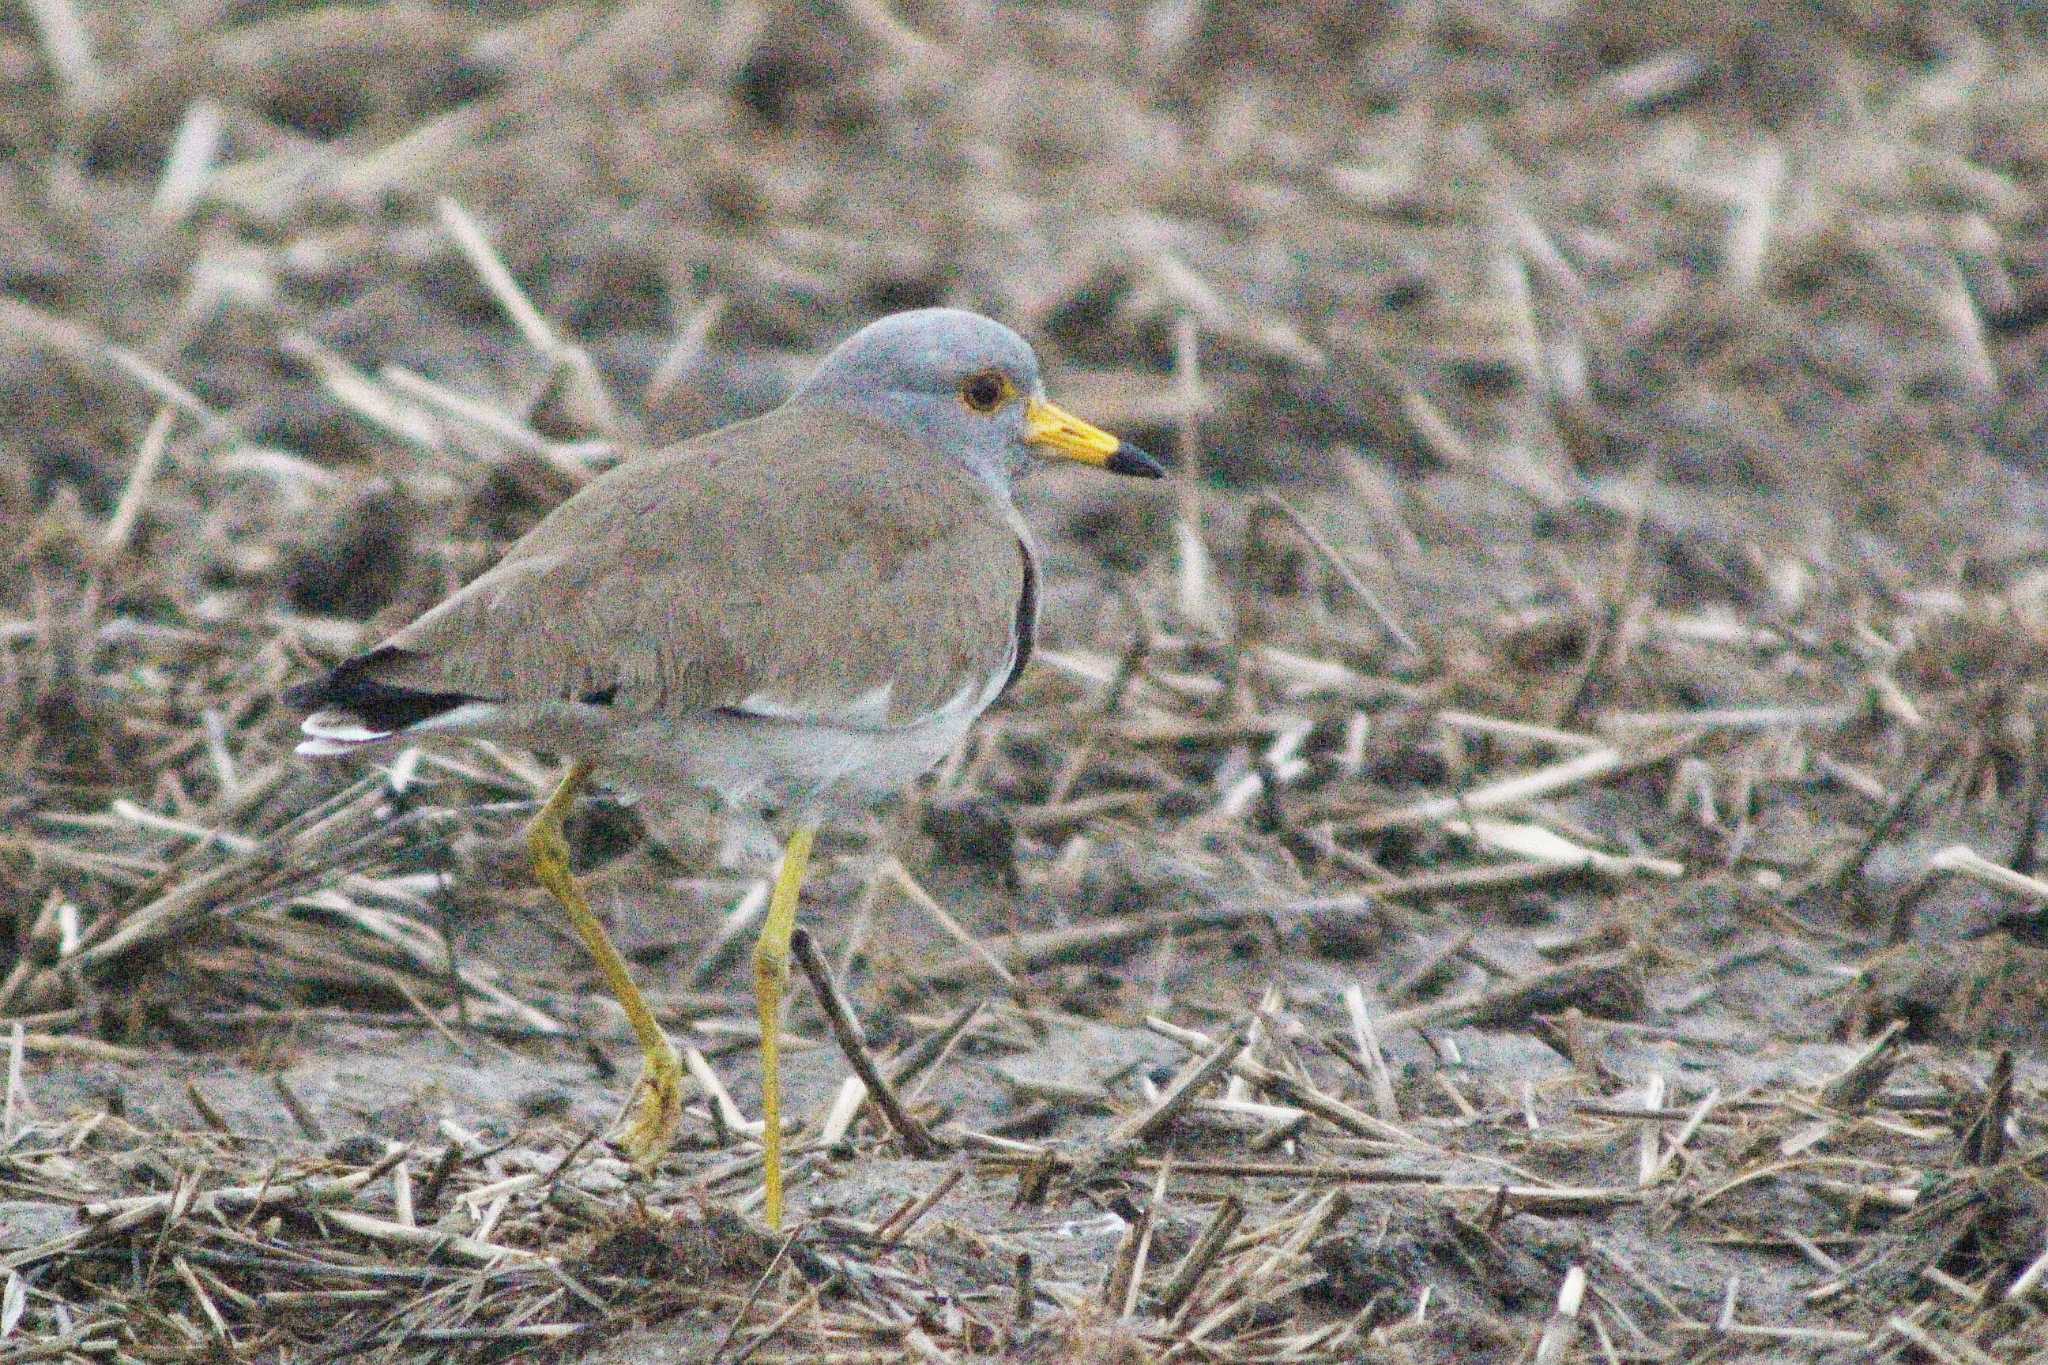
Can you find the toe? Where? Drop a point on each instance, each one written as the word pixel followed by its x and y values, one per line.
pixel 652 1118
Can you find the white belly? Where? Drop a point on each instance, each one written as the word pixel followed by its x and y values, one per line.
pixel 755 763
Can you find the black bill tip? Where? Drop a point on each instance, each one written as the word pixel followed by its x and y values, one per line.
pixel 1134 463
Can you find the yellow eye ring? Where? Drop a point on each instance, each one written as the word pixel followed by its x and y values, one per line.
pixel 986 390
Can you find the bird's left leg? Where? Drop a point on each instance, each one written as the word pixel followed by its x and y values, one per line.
pixel 656 1110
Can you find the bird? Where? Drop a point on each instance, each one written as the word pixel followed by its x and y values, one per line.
pixel 796 615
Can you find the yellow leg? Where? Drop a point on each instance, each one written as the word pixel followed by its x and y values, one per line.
pixel 771 972
pixel 656 1109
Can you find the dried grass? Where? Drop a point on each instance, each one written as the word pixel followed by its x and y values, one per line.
pixel 1563 761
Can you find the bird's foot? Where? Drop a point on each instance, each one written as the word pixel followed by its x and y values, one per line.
pixel 654 1114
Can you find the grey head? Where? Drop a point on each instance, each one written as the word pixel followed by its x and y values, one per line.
pixel 967 386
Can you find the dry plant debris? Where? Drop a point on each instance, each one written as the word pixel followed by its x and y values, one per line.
pixel 1528 849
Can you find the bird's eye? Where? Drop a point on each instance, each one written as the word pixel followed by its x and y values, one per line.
pixel 984 391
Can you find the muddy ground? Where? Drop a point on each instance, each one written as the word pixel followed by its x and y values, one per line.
pixel 1570 730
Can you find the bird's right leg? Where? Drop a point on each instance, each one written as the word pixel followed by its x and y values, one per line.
pixel 656 1110
pixel 771 974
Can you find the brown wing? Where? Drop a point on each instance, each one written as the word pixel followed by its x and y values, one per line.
pixel 801 562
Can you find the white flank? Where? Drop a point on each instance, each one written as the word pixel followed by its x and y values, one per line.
pixel 868 711
pixel 470 716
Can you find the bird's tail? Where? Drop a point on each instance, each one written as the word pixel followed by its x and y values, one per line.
pixel 334 731
pixel 357 708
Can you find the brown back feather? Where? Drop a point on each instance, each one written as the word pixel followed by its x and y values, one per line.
pixel 807 557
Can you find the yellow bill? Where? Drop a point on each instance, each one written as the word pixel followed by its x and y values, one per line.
pixel 1057 434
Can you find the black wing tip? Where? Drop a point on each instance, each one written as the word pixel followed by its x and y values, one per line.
pixel 378 705
pixel 341 685
pixel 306 696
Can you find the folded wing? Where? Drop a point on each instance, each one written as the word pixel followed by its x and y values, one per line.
pixel 777 567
